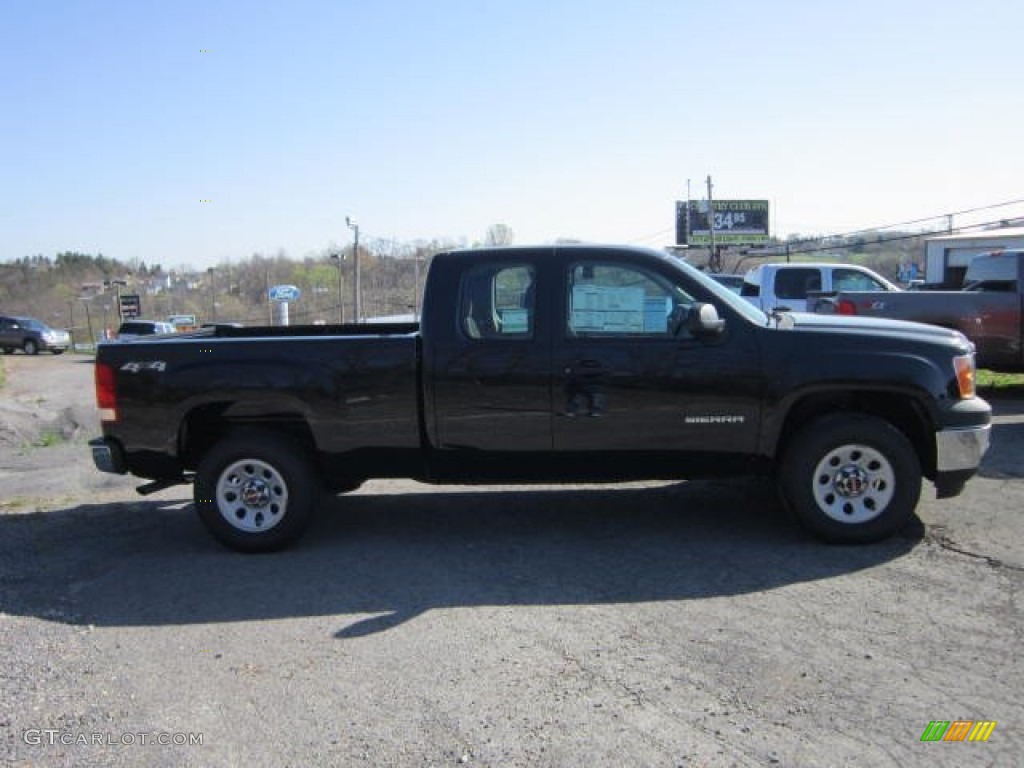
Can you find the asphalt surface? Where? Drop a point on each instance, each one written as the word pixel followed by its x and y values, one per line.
pixel 661 624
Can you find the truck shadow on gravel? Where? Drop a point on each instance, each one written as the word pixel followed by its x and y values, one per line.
pixel 376 561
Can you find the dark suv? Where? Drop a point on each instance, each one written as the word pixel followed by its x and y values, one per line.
pixel 31 335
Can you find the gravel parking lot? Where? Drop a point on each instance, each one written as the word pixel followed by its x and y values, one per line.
pixel 660 624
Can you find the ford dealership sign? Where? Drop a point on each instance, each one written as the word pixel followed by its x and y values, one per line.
pixel 285 293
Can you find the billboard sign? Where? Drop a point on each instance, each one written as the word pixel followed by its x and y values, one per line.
pixel 737 222
pixel 285 293
pixel 129 306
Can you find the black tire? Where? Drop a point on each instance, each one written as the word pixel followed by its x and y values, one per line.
pixel 256 491
pixel 31 347
pixel 8 350
pixel 57 351
pixel 851 478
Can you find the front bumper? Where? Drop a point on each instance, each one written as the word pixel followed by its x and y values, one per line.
pixel 61 342
pixel 961 448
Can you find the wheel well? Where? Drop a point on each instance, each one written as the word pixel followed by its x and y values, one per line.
pixel 902 411
pixel 207 425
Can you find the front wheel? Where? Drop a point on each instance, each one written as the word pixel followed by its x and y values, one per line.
pixel 255 491
pixel 851 478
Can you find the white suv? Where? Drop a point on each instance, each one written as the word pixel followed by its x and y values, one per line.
pixel 134 329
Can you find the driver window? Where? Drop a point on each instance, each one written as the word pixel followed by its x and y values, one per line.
pixel 619 300
pixel 851 280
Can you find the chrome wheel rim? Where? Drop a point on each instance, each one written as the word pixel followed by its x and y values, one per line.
pixel 252 496
pixel 854 483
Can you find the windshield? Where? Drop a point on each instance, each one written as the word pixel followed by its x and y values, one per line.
pixel 32 324
pixel 735 302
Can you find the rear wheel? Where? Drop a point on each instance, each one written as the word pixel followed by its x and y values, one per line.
pixel 851 478
pixel 256 491
pixel 31 347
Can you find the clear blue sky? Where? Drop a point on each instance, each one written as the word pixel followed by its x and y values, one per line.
pixel 559 118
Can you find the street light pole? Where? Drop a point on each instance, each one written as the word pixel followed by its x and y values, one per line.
pixel 341 302
pixel 357 307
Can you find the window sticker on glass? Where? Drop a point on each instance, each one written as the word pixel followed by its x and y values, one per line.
pixel 515 320
pixel 607 309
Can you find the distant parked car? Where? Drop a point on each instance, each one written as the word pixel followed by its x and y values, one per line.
pixel 733 282
pixel 31 335
pixel 134 329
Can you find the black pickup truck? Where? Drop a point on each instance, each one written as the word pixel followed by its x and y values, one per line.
pixel 549 364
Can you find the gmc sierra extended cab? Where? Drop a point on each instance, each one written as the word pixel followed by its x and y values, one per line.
pixel 988 311
pixel 544 364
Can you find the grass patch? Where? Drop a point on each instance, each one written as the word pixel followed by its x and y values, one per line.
pixel 49 438
pixel 993 384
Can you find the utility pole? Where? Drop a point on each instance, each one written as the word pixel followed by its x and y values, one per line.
pixel 714 262
pixel 357 306
pixel 686 214
pixel 88 320
pixel 213 296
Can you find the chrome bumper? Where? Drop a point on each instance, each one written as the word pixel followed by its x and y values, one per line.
pixel 960 449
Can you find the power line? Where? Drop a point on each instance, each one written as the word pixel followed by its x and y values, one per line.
pixel 892 239
pixel 645 238
pixel 855 232
pixel 964 212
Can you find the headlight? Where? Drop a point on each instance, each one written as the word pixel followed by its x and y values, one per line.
pixel 963 365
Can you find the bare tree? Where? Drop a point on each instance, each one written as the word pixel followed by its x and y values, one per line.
pixel 499 234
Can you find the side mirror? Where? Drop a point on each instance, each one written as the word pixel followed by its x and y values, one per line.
pixel 704 320
pixel 825 306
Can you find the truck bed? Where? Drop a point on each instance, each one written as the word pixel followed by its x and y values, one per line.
pixel 354 389
pixel 990 319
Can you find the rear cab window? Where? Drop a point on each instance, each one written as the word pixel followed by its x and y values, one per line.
pixel 853 280
pixel 796 283
pixel 496 301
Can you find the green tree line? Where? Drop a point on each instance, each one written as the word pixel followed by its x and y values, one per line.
pixel 79 290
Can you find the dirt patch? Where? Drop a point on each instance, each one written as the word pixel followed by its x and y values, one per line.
pixel 47 417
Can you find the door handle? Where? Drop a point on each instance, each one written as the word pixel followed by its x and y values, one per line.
pixel 585 367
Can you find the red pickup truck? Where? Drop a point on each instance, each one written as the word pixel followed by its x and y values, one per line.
pixel 987 310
